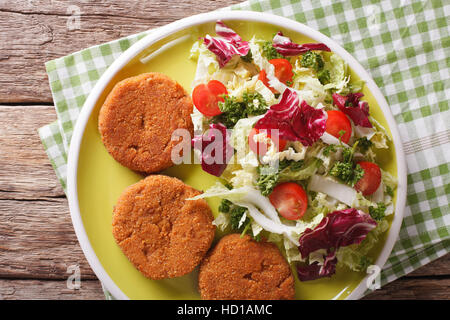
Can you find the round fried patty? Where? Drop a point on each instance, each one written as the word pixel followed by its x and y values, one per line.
pixel 243 269
pixel 138 118
pixel 160 232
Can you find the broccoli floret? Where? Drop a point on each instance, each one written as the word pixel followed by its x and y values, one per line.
pixel 324 76
pixel 342 170
pixel 225 206
pixel 266 182
pixel 312 60
pixel 269 51
pixel 364 144
pixel 347 172
pixel 329 148
pixel 254 103
pixel 377 213
pixel 236 214
pixel 233 110
pixel 315 61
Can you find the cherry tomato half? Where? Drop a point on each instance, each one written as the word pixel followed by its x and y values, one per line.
pixel 371 179
pixel 262 147
pixel 290 200
pixel 283 71
pixel 206 97
pixel 337 121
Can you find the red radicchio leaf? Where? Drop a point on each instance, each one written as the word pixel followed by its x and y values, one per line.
pixel 207 144
pixel 287 48
pixel 355 109
pixel 226 32
pixel 338 229
pixel 311 125
pixel 315 271
pixel 228 45
pixel 305 123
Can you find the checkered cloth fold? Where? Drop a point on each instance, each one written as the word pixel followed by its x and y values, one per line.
pixel 404 45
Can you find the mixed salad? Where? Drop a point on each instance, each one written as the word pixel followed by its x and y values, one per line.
pixel 296 147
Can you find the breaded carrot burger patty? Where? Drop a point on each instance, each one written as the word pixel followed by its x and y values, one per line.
pixel 160 232
pixel 138 118
pixel 241 268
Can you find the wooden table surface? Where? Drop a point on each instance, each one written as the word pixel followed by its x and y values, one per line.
pixel 37 240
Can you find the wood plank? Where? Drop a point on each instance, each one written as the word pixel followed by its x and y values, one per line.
pixel 25 171
pixel 49 290
pixel 138 9
pixel 414 288
pixel 42 26
pixel 47 244
pixel 37 240
pixel 439 267
pixel 428 289
pixel 31 205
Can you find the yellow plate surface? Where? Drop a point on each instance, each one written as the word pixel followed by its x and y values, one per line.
pixel 101 180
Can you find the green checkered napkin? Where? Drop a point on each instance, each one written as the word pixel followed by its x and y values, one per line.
pixel 404 45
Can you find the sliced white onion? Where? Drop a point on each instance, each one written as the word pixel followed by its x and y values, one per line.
pixel 378 195
pixel 249 198
pixel 330 139
pixel 389 209
pixel 243 218
pixel 265 222
pixel 364 132
pixel 255 197
pixel 339 191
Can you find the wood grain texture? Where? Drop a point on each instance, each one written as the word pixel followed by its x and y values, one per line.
pixel 25 171
pixel 413 288
pixel 437 268
pixel 36 31
pixel 37 241
pixel 405 289
pixel 49 290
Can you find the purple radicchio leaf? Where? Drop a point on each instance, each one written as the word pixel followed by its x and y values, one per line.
pixel 287 48
pixel 354 108
pixel 305 123
pixel 315 271
pixel 338 229
pixel 216 138
pixel 227 45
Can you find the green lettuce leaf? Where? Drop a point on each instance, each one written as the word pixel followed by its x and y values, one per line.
pixel 356 257
pixel 338 72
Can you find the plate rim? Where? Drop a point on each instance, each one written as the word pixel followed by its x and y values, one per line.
pixel 167 30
